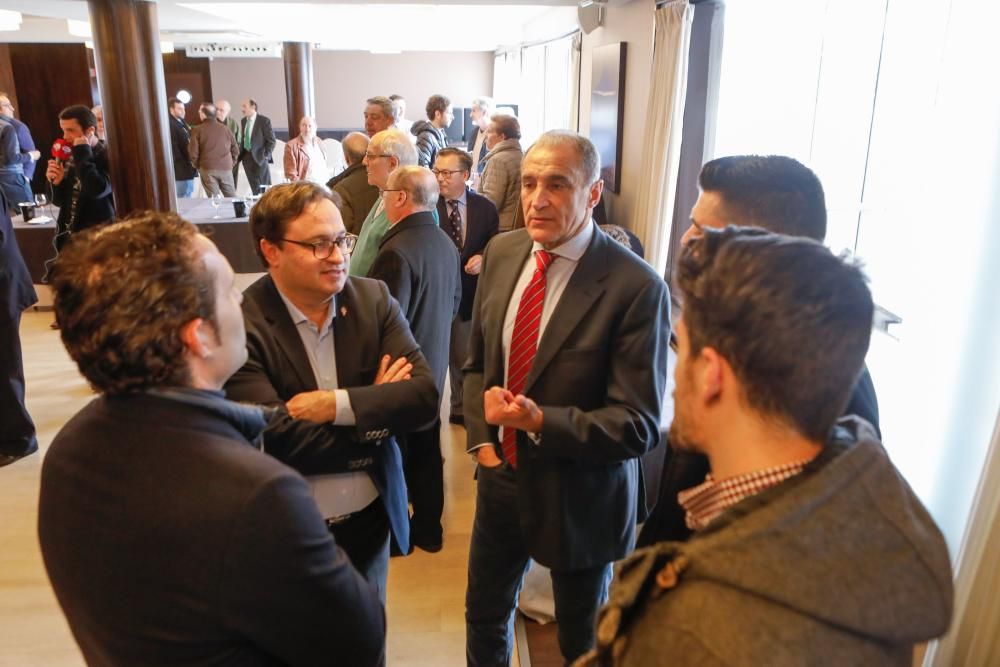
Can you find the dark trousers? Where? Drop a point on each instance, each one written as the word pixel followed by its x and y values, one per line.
pixel 457 354
pixel 17 431
pixel 257 174
pixel 498 560
pixel 364 537
pixel 15 188
pixel 423 468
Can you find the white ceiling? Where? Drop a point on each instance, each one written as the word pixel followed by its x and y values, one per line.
pixel 399 25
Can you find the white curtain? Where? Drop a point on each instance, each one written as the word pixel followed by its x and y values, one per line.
pixel 664 119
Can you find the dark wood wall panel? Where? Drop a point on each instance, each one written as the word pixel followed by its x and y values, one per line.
pixel 191 74
pixel 49 78
pixel 7 75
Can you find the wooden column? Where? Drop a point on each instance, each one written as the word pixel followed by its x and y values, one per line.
pixel 298 83
pixel 130 74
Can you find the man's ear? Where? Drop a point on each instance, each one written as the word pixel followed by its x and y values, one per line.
pixel 712 371
pixel 270 251
pixel 195 335
pixel 595 193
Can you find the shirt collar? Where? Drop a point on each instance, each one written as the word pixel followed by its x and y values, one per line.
pixel 298 317
pixel 461 199
pixel 574 248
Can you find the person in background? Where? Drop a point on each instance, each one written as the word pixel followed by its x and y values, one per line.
pixel 470 221
pixel 162 479
pixel 13 184
pixel 29 154
pixel 387 151
pixel 430 133
pixel 98 112
pixel 225 116
pixel 213 151
pixel 399 114
pixel 378 115
pixel 501 179
pixel 180 135
pixel 809 547
pixel 305 159
pixel 17 294
pixel 781 195
pixel 256 145
pixel 482 111
pixel 418 263
pixel 357 195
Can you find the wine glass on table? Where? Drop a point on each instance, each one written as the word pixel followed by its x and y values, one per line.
pixel 216 203
pixel 41 201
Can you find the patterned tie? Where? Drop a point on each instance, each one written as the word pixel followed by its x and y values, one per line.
pixel 455 218
pixel 524 343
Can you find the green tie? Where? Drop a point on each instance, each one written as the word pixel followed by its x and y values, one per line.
pixel 246 135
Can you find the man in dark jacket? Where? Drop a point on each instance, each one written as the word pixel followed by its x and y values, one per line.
pixel 17 432
pixel 81 188
pixel 419 264
pixel 169 538
pixel 29 154
pixel 809 546
pixel 257 142
pixel 781 195
pixel 430 133
pixel 357 195
pixel 180 135
pixel 213 151
pixel 470 221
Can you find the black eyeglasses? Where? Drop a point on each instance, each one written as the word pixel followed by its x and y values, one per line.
pixel 446 172
pixel 382 192
pixel 372 156
pixel 323 249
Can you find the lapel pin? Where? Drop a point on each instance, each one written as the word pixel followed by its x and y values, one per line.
pixel 343 311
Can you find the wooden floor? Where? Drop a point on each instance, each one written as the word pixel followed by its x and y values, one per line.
pixel 426 591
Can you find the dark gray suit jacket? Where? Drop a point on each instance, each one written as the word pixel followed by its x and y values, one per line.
pixel 170 540
pixel 368 324
pixel 262 140
pixel 598 376
pixel 482 224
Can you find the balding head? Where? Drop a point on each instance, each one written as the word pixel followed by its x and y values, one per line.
pixel 410 190
pixel 355 144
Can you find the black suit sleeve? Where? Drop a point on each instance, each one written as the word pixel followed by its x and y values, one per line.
pixel 94 183
pixel 628 423
pixel 393 269
pixel 477 430
pixel 269 139
pixel 315 605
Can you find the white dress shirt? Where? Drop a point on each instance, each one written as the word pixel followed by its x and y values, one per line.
pixel 340 493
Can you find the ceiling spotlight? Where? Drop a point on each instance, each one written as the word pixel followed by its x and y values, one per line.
pixel 184 96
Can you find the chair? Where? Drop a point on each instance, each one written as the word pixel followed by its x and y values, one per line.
pixel 335 162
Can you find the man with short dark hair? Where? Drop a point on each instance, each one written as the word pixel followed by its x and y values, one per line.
pixel 81 187
pixel 213 152
pixel 180 135
pixel 430 133
pixel 257 143
pixel 781 195
pixel 470 221
pixel 809 545
pixel 378 115
pixel 563 387
pixel 169 538
pixel 331 349
pixel 358 196
pixel 419 264
pixel 29 155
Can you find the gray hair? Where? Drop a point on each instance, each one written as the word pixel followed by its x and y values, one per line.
pixel 419 183
pixel 485 103
pixel 398 107
pixel 381 101
pixel 355 144
pixel 395 143
pixel 590 159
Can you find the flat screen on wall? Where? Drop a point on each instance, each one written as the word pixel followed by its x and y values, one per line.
pixel 607 108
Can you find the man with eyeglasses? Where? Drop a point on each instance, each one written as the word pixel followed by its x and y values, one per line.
pixel 470 220
pixel 337 353
pixel 419 264
pixel 29 156
pixel 388 150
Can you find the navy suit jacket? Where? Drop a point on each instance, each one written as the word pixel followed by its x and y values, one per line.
pixel 16 290
pixel 367 325
pixel 481 224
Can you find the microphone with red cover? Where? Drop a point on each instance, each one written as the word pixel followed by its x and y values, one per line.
pixel 62 150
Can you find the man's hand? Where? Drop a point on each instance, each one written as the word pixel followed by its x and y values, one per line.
pixel 315 406
pixel 35 155
pixel 474 265
pixel 55 172
pixel 502 408
pixel 80 141
pixel 487 457
pixel 395 372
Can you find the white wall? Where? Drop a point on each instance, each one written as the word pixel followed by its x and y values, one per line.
pixel 345 79
pixel 632 23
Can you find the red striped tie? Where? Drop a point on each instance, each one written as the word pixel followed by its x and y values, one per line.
pixel 524 343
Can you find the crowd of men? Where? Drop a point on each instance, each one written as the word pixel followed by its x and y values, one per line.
pixel 253 459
